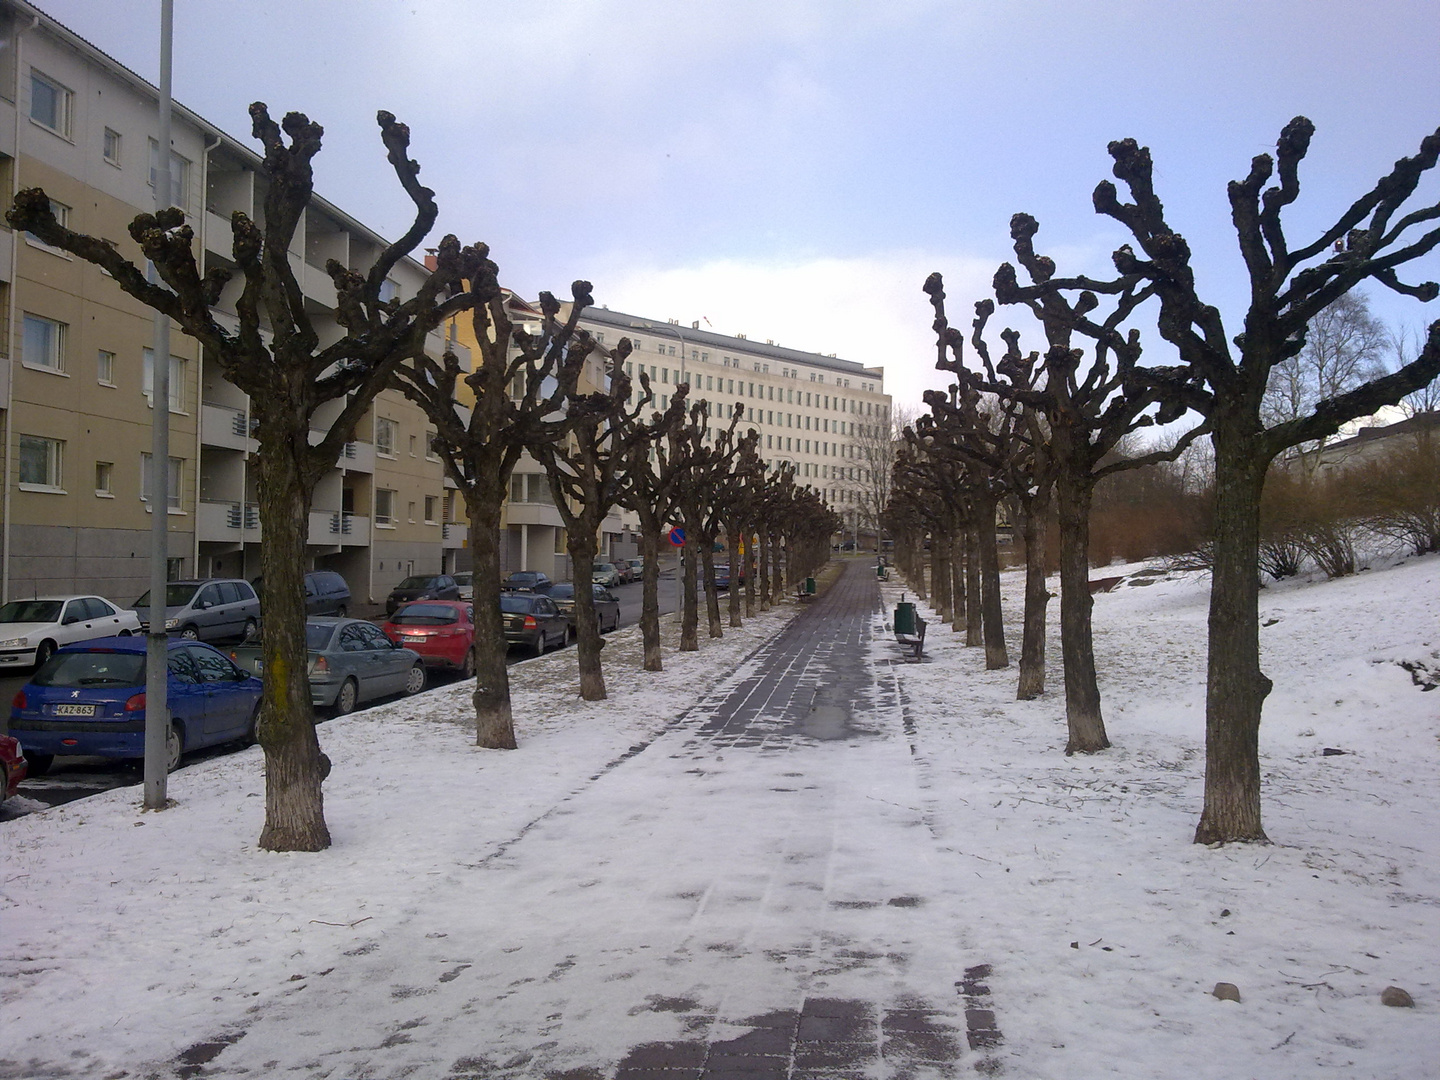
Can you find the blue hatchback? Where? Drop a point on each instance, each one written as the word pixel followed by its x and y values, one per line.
pixel 90 699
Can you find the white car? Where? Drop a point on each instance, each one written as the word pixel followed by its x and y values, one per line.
pixel 30 630
pixel 466 581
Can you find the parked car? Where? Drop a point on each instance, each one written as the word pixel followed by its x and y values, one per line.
pixel 527 581
pixel 90 699
pixel 722 576
pixel 422 587
pixel 607 605
pixel 627 572
pixel 208 610
pixel 465 581
pixel 603 573
pixel 351 661
pixel 441 631
pixel 31 630
pixel 533 620
pixel 13 768
pixel 325 593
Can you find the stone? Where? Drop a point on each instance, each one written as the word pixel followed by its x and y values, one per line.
pixel 1396 997
pixel 1226 991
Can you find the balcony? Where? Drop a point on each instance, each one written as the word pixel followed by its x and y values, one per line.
pixel 454 535
pixel 223 426
pixel 357 457
pixel 533 514
pixel 228 522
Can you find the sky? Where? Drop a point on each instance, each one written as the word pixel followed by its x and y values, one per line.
pixel 794 171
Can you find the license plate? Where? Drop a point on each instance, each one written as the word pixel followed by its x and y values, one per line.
pixel 412 637
pixel 74 710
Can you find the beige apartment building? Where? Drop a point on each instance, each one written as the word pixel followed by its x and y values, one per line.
pixel 75 374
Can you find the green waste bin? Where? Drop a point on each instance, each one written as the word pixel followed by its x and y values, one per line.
pixel 809 586
pixel 905 619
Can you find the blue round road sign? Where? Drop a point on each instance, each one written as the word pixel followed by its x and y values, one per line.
pixel 677 537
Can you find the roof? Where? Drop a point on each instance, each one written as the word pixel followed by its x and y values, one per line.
pixel 1410 426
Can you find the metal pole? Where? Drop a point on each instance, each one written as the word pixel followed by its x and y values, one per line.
pixel 157 712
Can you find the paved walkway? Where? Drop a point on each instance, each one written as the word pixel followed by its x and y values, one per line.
pixel 761 897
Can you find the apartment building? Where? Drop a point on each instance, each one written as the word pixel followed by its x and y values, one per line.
pixel 812 411
pixel 76 371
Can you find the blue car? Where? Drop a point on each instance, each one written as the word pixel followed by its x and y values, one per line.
pixel 90 699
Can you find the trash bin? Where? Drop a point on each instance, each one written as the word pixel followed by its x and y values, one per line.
pixel 905 619
pixel 809 586
pixel 880 571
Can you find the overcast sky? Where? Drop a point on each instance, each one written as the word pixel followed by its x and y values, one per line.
pixel 792 170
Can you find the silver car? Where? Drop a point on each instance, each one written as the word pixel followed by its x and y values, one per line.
pixel 350 661
pixel 209 610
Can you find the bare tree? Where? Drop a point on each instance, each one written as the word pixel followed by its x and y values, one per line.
pixel 275 356
pixel 1404 345
pixel 867 477
pixel 1223 378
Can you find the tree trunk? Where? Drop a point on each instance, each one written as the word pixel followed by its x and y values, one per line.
pixel 777 583
pixel 295 768
pixel 955 568
pixel 690 614
pixel 588 643
pixel 1077 646
pixel 762 569
pixel 737 571
pixel 712 594
pixel 650 593
pixel 1034 519
pixel 494 723
pixel 916 573
pixel 996 655
pixel 1236 688
pixel 941 542
pixel 974 618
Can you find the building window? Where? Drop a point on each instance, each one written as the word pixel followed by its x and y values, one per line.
pixel 172 496
pixel 177 380
pixel 111 147
pixel 410 512
pixel 389 290
pixel 61 213
pixel 105 368
pixel 179 175
pixel 40 463
pixel 432 445
pixel 44 344
pixel 385 432
pixel 664 374
pixel 431 501
pixel 671 351
pixel 50 104
pixel 385 507
pixel 412 445
pixel 104 470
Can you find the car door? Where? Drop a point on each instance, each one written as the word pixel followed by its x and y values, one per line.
pixel 209 612
pixel 227 706
pixel 392 663
pixel 185 696
pixel 553 623
pixel 105 618
pixel 74 622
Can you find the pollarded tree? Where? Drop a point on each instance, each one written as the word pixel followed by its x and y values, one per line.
pixel 1224 377
pixel 520 385
pixel 707 461
pixel 275 355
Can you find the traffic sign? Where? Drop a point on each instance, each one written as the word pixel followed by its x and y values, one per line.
pixel 677 537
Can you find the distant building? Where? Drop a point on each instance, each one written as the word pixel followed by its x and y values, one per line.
pixel 1372 444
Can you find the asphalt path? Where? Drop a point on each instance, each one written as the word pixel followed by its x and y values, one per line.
pixel 72 778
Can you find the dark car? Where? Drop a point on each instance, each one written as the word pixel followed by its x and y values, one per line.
pixel 350 661
pixel 90 699
pixel 607 605
pixel 527 581
pixel 422 587
pixel 325 593
pixel 722 576
pixel 209 610
pixel 12 766
pixel 533 621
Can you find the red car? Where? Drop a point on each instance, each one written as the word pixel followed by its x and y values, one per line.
pixel 441 631
pixel 12 766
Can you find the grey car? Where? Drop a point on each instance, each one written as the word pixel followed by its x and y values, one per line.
pixel 607 605
pixel 351 661
pixel 213 609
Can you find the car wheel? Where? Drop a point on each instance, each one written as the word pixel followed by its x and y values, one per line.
pixel 174 748
pixel 38 764
pixel 539 647
pixel 251 626
pixel 189 633
pixel 43 652
pixel 467 666
pixel 251 728
pixel 416 681
pixel 123 633
pixel 347 697
pixel 340 612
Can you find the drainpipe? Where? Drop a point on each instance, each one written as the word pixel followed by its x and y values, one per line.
pixel 10 316
pixel 200 376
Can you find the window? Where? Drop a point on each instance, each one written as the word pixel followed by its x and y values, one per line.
pixel 179 175
pixel 177 380
pixel 410 512
pixel 104 470
pixel 61 213
pixel 385 432
pixel 412 445
pixel 389 290
pixel 385 507
pixel 105 368
pixel 50 103
pixel 172 496
pixel 40 463
pixel 432 445
pixel 431 502
pixel 111 147
pixel 44 344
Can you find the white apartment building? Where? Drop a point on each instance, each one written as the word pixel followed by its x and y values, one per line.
pixel 75 374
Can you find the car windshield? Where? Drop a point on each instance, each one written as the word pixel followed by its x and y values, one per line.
pixel 175 596
pixel 416 583
pixel 92 669
pixel 562 592
pixel 317 636
pixel 517 605
pixel 462 579
pixel 30 611
pixel 425 615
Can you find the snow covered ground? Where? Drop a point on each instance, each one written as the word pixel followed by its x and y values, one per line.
pixel 481 906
